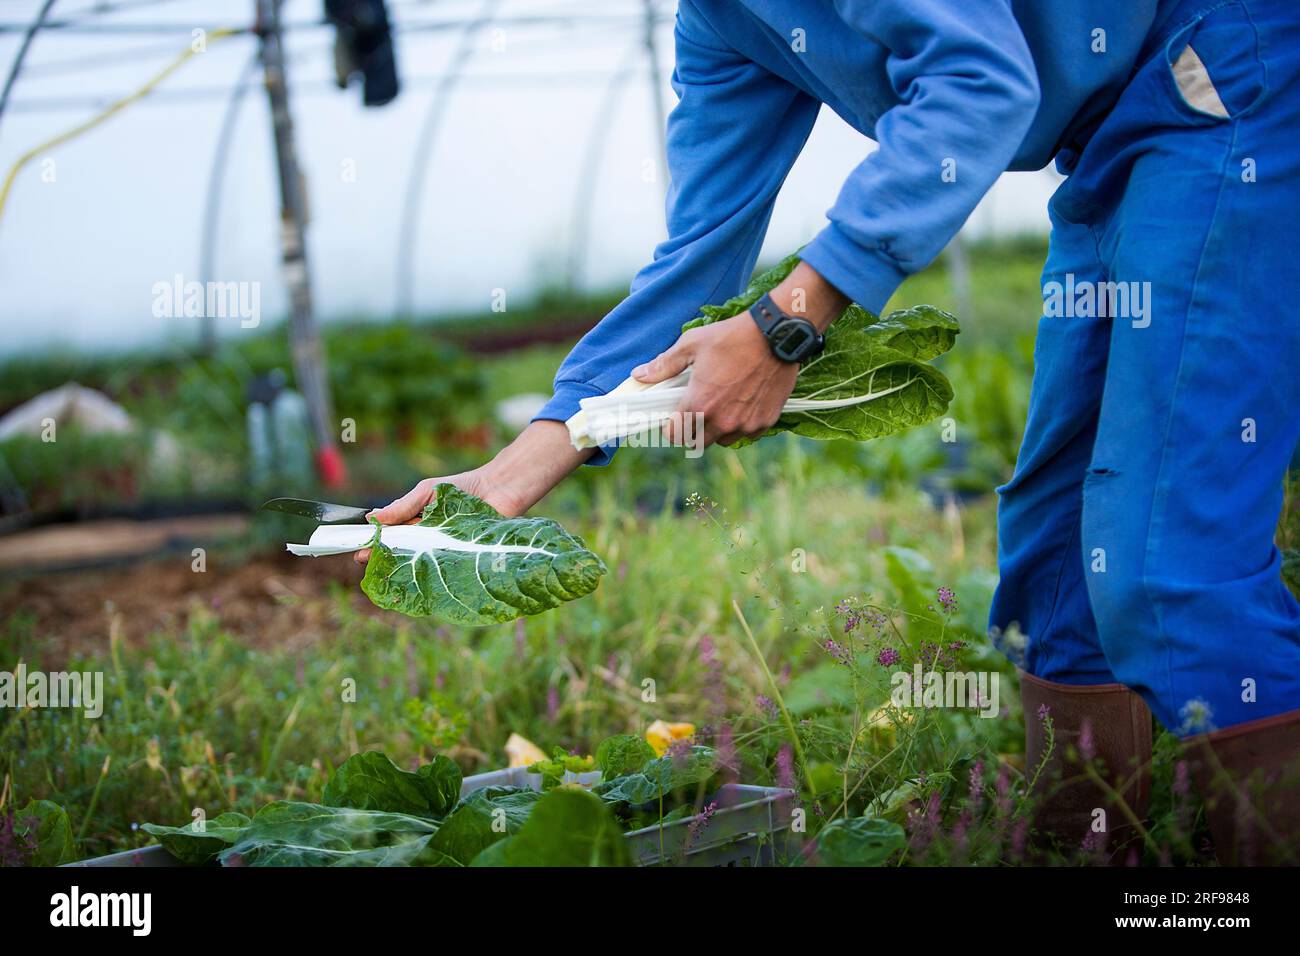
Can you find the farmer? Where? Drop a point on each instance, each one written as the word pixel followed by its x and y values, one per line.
pixel 1136 535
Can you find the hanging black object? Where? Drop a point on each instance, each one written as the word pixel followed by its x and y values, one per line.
pixel 364 44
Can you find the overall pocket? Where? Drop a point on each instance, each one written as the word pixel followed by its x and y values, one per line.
pixel 1212 68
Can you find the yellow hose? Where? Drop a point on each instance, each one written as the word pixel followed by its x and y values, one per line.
pixel 98 118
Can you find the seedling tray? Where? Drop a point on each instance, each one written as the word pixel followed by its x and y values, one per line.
pixel 749 827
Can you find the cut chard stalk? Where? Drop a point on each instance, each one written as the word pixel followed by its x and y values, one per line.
pixel 465 561
pixel 401 538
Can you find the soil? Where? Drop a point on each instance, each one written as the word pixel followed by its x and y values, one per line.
pixel 272 600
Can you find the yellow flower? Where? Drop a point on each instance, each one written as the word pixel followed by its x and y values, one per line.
pixel 523 752
pixel 660 734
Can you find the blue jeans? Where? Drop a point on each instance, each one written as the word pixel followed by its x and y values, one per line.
pixel 1136 535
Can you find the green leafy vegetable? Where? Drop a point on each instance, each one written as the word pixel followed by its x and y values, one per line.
pixel 860 841
pixel 872 379
pixel 660 777
pixel 370 781
pixel 376 814
pixel 287 833
pixel 45 825
pixel 623 754
pixel 466 563
pixel 560 763
pixel 197 847
pixel 568 827
pixel 481 819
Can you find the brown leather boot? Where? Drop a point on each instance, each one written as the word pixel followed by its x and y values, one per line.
pixel 1118 743
pixel 1249 778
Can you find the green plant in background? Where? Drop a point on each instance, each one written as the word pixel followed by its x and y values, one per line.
pixel 435 719
pixel 560 764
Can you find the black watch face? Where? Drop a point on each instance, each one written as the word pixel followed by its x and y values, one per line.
pixel 794 340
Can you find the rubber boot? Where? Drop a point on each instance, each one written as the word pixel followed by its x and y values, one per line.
pixel 1249 778
pixel 1106 725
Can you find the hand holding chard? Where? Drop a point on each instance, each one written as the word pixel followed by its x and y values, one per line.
pixel 872 379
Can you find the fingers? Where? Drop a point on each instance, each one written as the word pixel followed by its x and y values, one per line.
pixel 667 364
pixel 405 510
pixel 406 507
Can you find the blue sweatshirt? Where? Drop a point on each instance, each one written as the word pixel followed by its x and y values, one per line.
pixel 954 92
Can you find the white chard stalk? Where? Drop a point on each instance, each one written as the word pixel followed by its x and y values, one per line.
pixel 633 407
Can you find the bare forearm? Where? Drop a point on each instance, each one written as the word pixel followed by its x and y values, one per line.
pixel 805 293
pixel 524 471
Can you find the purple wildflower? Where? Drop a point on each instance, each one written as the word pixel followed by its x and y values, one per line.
pixel 888 657
pixel 766 705
pixel 947 600
pixel 1003 787
pixel 785 767
pixel 16 848
pixel 679 750
pixel 725 745
pixel 837 651
pixel 976 793
pixel 699 824
pixel 1044 712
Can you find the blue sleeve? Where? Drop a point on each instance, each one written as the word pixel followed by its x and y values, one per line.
pixel 967 93
pixel 732 138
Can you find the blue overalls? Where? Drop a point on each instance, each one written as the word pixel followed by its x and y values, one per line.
pixel 1136 535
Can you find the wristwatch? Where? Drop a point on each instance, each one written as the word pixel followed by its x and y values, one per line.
pixel 791 338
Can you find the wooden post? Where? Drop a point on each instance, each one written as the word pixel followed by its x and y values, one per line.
pixel 304 337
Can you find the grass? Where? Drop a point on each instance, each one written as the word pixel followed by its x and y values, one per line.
pixel 732 579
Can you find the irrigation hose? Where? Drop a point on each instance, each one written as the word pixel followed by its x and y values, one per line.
pixel 104 114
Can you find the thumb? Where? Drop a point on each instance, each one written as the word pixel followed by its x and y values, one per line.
pixel 676 360
pixel 406 507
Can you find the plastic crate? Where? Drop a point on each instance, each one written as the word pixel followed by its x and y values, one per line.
pixel 750 827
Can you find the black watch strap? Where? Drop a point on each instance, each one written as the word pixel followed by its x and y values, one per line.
pixel 791 338
pixel 766 313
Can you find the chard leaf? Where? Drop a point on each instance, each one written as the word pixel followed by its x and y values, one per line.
pixel 864 355
pixel 660 777
pixel 371 781
pixel 46 827
pixel 196 847
pixel 288 833
pixel 622 754
pixel 481 819
pixel 860 841
pixel 467 564
pixel 567 827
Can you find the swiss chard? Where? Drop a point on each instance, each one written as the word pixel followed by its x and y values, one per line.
pixel 465 562
pixel 872 378
pixel 370 781
pixel 568 827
